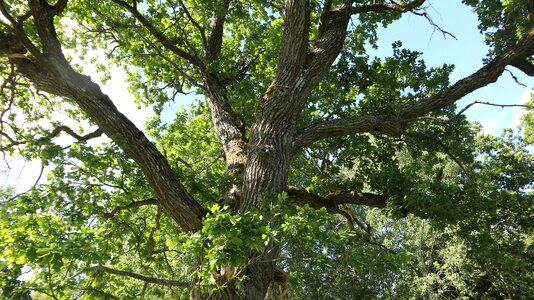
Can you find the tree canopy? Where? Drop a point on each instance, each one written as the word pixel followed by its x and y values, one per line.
pixel 306 169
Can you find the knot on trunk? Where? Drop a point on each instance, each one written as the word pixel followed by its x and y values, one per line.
pixel 231 198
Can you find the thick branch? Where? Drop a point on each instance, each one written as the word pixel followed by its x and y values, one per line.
pixel 524 65
pixel 484 76
pixel 214 43
pixel 332 200
pixel 392 125
pixel 59 7
pixel 43 14
pixel 16 39
pixel 53 74
pixel 294 42
pixel 164 282
pixel 378 7
pixel 225 120
pixel 332 33
pixel 330 39
pixel 341 127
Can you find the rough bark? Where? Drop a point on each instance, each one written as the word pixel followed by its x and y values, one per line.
pixel 331 201
pixel 270 144
pixel 225 121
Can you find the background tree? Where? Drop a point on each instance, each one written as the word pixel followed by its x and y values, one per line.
pixel 275 177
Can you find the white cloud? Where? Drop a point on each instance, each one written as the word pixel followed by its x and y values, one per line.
pixel 490 126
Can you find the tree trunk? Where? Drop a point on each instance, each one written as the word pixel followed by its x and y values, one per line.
pixel 266 173
pixel 263 280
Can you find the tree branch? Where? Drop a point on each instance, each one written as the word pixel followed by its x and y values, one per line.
pixel 443 147
pixel 195 23
pixel 331 201
pixel 43 15
pixel 341 127
pixel 98 132
pixel 334 21
pixel 225 121
pixel 334 200
pixel 54 133
pixel 59 7
pixel 134 204
pixel 151 241
pixel 17 42
pixel 52 73
pixel 524 65
pixel 294 43
pixel 445 33
pixel 484 76
pixel 164 282
pixel 392 125
pixel 166 42
pixel 214 43
pixel 491 104
pixel 377 7
pixel 329 43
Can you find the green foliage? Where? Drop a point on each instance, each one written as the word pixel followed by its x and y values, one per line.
pixel 502 22
pixel 10 287
pixel 227 237
pixel 194 151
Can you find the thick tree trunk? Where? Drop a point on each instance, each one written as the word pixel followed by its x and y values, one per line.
pixel 271 144
pixel 263 280
pixel 266 173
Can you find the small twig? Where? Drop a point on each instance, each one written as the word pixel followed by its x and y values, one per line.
pixel 515 78
pixel 490 104
pixel 40 175
pixel 445 33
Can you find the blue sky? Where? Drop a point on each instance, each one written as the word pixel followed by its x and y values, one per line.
pixel 466 53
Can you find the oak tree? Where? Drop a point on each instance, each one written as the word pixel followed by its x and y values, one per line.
pixel 271 175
